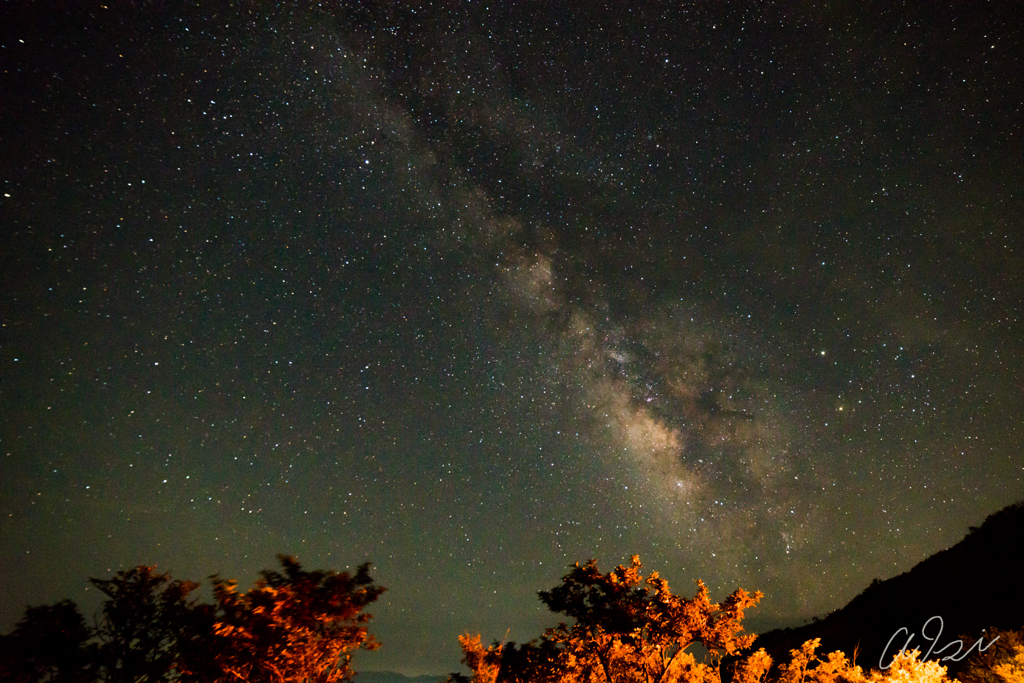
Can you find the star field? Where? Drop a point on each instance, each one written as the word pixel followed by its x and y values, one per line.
pixel 475 291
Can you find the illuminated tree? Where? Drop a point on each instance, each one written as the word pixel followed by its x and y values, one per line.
pixel 484 662
pixel 804 667
pixel 626 627
pixel 293 626
pixel 752 669
pixel 1012 671
pixel 1002 660
pixel 907 668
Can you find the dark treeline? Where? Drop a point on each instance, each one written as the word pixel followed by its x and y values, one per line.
pixel 293 625
pixel 297 626
pixel 618 627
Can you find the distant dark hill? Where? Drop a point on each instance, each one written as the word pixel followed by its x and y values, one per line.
pixel 393 677
pixel 976 584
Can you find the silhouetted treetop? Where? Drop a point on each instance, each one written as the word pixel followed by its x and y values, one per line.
pixel 49 643
pixel 293 625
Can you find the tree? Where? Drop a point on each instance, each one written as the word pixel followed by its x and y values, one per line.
pixel 293 626
pixel 1012 670
pixel 626 627
pixel 1001 661
pixel 908 668
pixel 148 621
pixel 49 643
pixel 805 667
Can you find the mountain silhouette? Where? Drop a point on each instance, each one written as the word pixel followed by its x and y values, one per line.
pixel 394 677
pixel 972 586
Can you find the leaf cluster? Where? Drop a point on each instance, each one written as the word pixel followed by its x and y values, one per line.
pixel 295 625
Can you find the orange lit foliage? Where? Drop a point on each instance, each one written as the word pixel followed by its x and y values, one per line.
pixel 295 626
pixel 1002 661
pixel 626 627
pixel 804 667
pixel 1012 671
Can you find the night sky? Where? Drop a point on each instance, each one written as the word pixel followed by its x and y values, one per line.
pixel 475 291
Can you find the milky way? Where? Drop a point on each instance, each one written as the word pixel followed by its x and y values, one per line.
pixel 476 292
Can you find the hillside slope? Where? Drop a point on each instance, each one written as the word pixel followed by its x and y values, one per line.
pixel 975 584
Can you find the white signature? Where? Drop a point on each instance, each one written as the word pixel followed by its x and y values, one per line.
pixel 955 657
